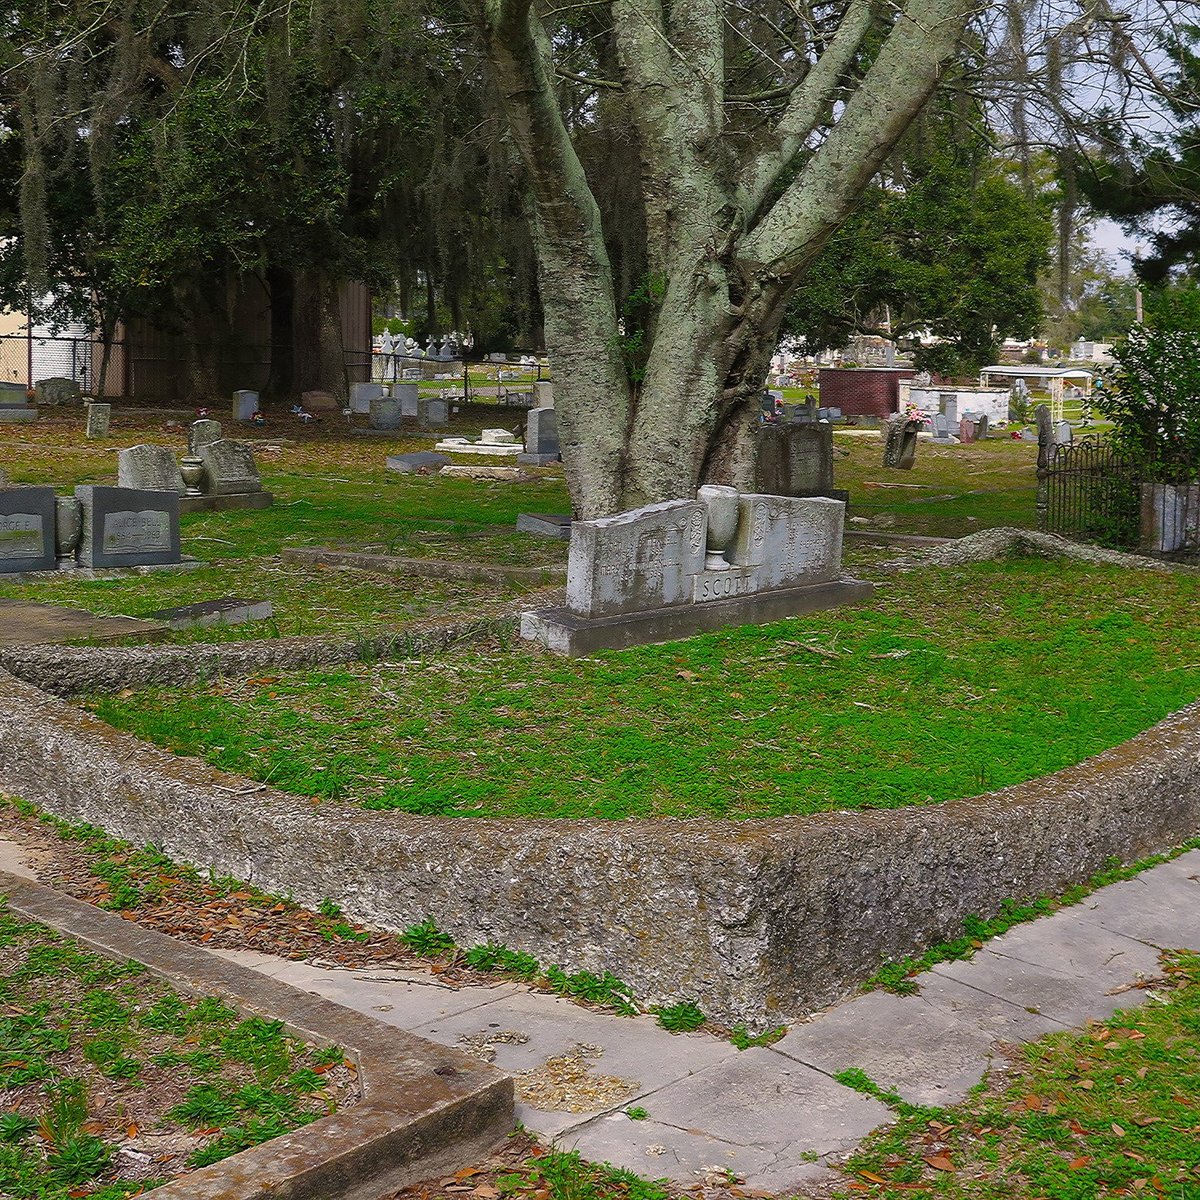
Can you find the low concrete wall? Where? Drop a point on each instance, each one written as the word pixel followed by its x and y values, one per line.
pixel 757 920
pixel 74 670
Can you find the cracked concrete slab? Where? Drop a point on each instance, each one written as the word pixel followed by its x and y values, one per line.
pixel 633 1048
pixel 653 1149
pixel 931 1048
pixel 1070 944
pixel 1160 906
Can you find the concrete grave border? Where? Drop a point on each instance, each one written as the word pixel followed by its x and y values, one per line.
pixel 424 1108
pixel 756 919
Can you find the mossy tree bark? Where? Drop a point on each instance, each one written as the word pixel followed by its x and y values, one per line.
pixel 733 212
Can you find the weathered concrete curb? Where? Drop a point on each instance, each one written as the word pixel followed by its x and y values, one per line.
pixel 74 670
pixel 425 1109
pixel 428 568
pixel 756 920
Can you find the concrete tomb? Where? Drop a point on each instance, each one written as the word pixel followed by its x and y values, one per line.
pixel 149 468
pixel 541 438
pixel 128 527
pixel 672 570
pixel 492 441
pixel 27 529
pixel 97 419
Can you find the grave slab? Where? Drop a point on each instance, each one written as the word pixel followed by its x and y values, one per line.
pixel 551 525
pixel 128 527
pixel 23 623
pixel 421 462
pixel 228 611
pixel 27 525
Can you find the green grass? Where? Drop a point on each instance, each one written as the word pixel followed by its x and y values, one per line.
pixel 86 1042
pixel 949 683
pixel 1109 1111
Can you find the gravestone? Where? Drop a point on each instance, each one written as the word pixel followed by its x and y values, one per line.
pixel 422 462
pixel 406 395
pixel 149 468
pixel 319 401
pixel 433 411
pixel 543 389
pixel 1062 434
pixel 900 442
pixel 966 430
pixel 97 420
pixel 27 529
pixel 14 404
pixel 541 438
pixel 230 468
pixel 943 434
pixel 202 433
pixel 673 569
pixel 948 403
pixel 362 395
pixel 1045 435
pixel 230 611
pixel 981 426
pixel 385 413
pixel 794 460
pixel 551 525
pixel 56 391
pixel 245 405
pixel 128 527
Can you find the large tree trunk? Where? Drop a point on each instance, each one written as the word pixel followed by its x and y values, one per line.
pixel 728 232
pixel 319 359
pixel 281 288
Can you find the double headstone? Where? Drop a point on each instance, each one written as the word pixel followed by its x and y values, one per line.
pixel 794 460
pixel 230 468
pixel 149 468
pixel 27 524
pixel 97 420
pixel 128 527
pixel 541 438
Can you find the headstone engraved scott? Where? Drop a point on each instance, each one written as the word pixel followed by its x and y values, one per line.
pixel 27 529
pixel 150 469
pixel 203 433
pixel 230 468
pixel 97 421
pixel 128 527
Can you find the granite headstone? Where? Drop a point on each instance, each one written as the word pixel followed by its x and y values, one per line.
pixel 149 468
pixel 245 405
pixel 27 529
pixel 128 527
pixel 202 433
pixel 230 468
pixel 97 420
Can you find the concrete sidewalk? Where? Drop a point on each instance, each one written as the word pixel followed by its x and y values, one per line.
pixel 775 1116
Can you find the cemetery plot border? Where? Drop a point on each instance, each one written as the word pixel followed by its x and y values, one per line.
pixel 424 1110
pixel 754 920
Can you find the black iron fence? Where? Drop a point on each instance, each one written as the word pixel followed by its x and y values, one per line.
pixel 1088 491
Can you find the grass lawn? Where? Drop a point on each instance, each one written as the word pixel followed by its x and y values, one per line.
pixel 949 683
pixel 112 1082
pixel 1111 1111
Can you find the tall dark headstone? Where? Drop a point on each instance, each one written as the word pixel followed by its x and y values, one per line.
pixel 128 527
pixel 795 460
pixel 27 529
pixel 900 442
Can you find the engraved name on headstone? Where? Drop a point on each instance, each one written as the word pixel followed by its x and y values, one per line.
pixel 27 529
pixel 128 527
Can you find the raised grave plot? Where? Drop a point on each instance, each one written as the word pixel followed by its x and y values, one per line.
pixel 114 1083
pixel 949 683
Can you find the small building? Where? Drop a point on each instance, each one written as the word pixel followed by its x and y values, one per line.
pixel 862 391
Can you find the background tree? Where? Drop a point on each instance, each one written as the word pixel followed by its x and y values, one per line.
pixel 945 243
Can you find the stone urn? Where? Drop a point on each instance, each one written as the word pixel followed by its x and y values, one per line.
pixel 192 469
pixel 722 505
pixel 68 526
